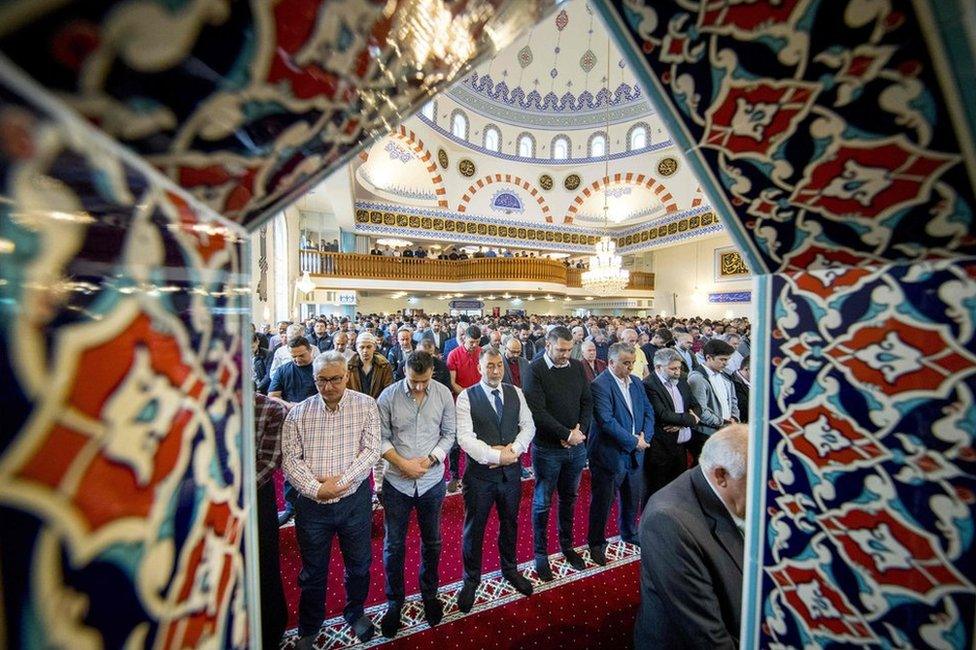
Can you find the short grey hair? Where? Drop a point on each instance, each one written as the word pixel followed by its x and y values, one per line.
pixel 489 351
pixel 587 344
pixel 293 331
pixel 627 332
pixel 617 348
pixel 727 448
pixel 665 357
pixel 579 329
pixel 326 359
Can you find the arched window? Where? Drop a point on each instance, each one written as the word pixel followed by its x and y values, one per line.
pixel 637 138
pixel 526 146
pixel 429 111
pixel 598 145
pixel 493 138
pixel 459 125
pixel 560 147
pixel 279 267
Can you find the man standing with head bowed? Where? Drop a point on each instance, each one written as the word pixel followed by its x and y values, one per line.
pixel 692 550
pixel 494 427
pixel 622 422
pixel 329 442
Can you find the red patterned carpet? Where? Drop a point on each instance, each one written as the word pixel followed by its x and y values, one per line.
pixel 607 596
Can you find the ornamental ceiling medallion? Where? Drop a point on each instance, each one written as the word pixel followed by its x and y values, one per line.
pixel 442 158
pixel 466 168
pixel 588 61
pixel 545 182
pixel 572 182
pixel 667 167
pixel 525 56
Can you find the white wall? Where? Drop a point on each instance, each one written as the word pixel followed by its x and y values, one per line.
pixel 264 311
pixel 385 304
pixel 675 271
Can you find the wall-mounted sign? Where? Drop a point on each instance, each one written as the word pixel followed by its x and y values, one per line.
pixel 730 296
pixel 466 304
pixel 345 297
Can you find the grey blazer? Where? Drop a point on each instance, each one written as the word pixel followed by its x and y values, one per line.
pixel 691 569
pixel 711 409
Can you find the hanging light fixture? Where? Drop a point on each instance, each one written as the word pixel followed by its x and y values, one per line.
pixel 305 284
pixel 606 275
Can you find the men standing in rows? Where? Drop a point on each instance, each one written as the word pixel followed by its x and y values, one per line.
pixel 400 351
pixel 417 423
pixel 494 427
pixel 692 552
pixel 629 336
pixel 464 367
pixel 330 442
pixel 675 413
pixel 592 366
pixel 622 423
pixel 292 383
pixel 713 390
pixel 559 396
pixel 437 334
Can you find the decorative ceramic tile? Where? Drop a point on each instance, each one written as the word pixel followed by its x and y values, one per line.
pixel 869 497
pixel 121 472
pixel 248 104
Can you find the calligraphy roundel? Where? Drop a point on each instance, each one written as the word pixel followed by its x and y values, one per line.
pixel 572 182
pixel 466 168
pixel 667 167
pixel 545 182
pixel 442 158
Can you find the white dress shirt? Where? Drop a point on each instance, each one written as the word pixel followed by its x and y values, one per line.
pixel 624 386
pixel 684 433
pixel 479 450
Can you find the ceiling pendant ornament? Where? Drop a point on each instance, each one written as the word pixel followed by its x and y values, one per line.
pixel 545 182
pixel 442 158
pixel 667 167
pixel 562 20
pixel 588 61
pixel 572 182
pixel 525 57
pixel 466 168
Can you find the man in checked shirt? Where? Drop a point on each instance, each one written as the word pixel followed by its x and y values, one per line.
pixel 330 442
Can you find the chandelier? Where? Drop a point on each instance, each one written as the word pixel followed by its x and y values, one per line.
pixel 606 275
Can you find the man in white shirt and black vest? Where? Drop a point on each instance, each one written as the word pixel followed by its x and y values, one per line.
pixel 494 427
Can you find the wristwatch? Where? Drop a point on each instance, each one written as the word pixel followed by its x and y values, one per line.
pixel 433 459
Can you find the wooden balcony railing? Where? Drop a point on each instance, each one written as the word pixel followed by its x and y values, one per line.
pixel 375 267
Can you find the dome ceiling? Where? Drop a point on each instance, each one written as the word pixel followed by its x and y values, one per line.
pixel 556 77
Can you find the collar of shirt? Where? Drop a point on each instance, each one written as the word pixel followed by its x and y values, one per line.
pixel 551 363
pixel 739 522
pixel 744 380
pixel 485 387
pixel 342 400
pixel 666 380
pixel 623 383
pixel 408 392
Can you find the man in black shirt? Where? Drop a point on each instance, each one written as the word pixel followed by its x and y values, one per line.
pixel 559 397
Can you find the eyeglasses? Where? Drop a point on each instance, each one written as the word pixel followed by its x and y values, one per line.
pixel 335 381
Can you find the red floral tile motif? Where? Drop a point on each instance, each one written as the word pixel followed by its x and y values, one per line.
pixel 893 553
pixel 827 439
pixel 870 179
pixel 823 609
pixel 747 15
pixel 826 282
pixel 897 358
pixel 753 118
pixel 119 433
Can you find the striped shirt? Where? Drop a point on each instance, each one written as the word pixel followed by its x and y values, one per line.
pixel 269 415
pixel 318 443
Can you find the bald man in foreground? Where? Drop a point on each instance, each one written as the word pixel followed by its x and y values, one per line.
pixel 691 536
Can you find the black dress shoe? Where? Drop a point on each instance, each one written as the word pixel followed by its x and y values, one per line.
pixel 542 568
pixel 466 597
pixel 522 584
pixel 363 628
pixel 598 555
pixel 575 559
pixel 390 623
pixel 433 610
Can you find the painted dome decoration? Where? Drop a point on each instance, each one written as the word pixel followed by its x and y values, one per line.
pixel 507 201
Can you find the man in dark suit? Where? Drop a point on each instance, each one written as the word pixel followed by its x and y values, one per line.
pixel 529 348
pixel 437 334
pixel 397 356
pixel 683 343
pixel 494 427
pixel 592 364
pixel 675 413
pixel 742 384
pixel 622 422
pixel 691 538
pixel 515 364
